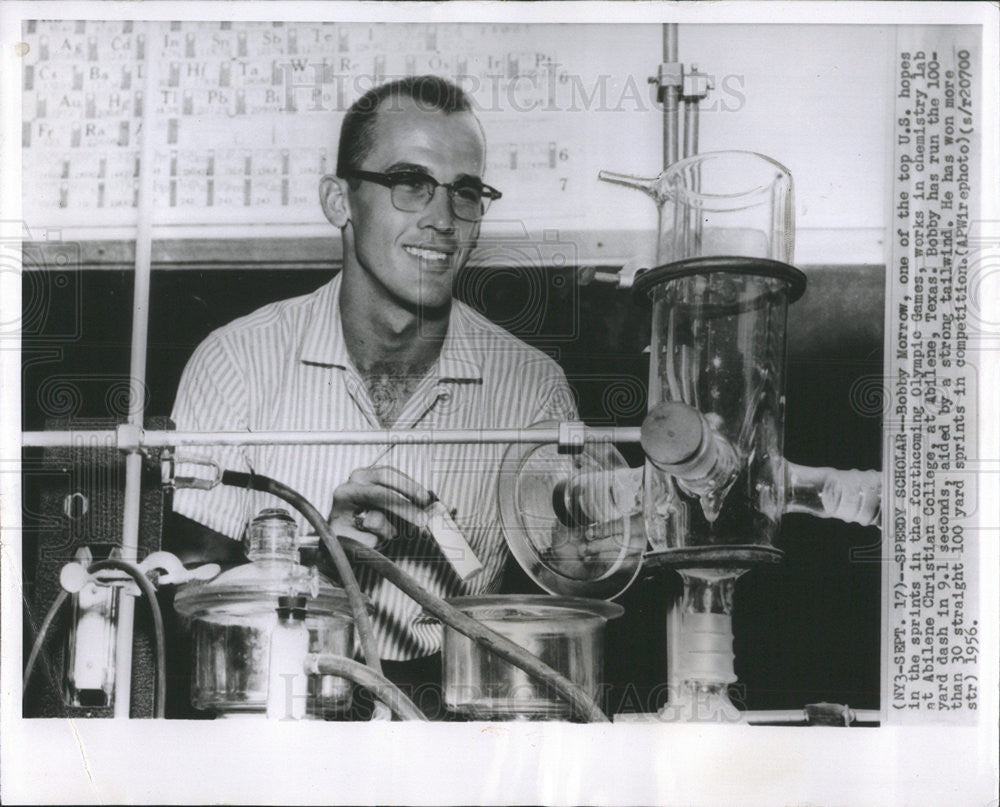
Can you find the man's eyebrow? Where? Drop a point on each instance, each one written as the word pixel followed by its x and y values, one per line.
pixel 469 178
pixel 420 169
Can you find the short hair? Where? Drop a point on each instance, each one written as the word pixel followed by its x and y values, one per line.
pixel 357 134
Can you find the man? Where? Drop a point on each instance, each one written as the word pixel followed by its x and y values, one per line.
pixel 382 345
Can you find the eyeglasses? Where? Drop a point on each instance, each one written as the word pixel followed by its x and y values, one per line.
pixel 412 191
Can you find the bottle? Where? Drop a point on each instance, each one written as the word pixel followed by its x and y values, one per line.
pixel 287 681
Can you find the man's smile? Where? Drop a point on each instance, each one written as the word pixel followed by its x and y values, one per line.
pixel 428 253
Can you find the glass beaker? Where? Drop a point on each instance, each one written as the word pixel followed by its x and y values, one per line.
pixel 720 203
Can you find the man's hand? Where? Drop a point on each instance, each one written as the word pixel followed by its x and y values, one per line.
pixel 375 503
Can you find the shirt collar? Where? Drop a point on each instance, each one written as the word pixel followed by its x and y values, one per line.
pixel 323 341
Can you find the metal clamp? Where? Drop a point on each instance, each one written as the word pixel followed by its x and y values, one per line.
pixel 162 568
pixel 695 85
pixel 74 577
pixel 668 75
pixel 129 437
pixel 572 434
pixel 170 571
pixel 692 84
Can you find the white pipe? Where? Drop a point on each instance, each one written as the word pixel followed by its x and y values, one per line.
pixel 137 373
pixel 165 439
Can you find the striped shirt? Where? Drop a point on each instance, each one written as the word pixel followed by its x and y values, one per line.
pixel 286 367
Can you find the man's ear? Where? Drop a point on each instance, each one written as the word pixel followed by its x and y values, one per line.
pixel 333 200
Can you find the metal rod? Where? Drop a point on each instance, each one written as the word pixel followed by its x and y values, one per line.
pixel 670 137
pixel 777 716
pixel 691 113
pixel 670 99
pixel 137 379
pixel 100 439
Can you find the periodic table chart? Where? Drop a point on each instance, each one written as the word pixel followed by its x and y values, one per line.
pixel 244 116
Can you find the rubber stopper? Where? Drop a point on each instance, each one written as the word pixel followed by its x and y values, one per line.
pixel 671 433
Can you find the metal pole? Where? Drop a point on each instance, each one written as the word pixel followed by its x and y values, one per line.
pixel 174 439
pixel 691 112
pixel 670 136
pixel 671 99
pixel 778 716
pixel 137 377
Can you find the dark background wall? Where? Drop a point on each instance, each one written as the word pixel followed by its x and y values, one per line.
pixel 807 630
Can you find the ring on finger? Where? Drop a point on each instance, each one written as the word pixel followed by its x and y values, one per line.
pixel 359 519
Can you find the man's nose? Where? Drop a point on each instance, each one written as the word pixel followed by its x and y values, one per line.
pixel 438 212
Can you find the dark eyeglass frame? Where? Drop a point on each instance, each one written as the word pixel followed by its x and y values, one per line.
pixel 394 179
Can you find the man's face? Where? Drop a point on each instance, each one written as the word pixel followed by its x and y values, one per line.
pixel 412 258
